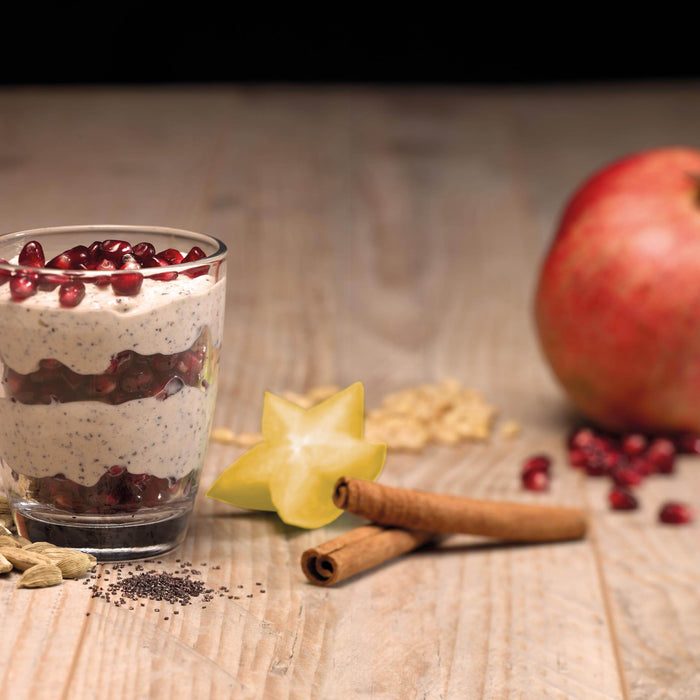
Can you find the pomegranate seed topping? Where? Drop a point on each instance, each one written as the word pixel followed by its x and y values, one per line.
pixel 622 499
pixel 95 250
pixel 143 250
pixel 115 250
pixel 662 454
pixel 156 261
pixel 625 476
pixel 4 274
pixel 47 283
pixel 538 463
pixel 71 293
pixel 577 457
pixel 642 466
pixel 196 253
pixel 32 255
pixel 172 255
pixel 675 513
pixel 535 481
pixel 23 286
pixel 61 262
pixel 129 262
pixel 126 284
pixel 634 445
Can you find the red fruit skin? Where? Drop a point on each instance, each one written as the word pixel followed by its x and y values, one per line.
pixel 617 306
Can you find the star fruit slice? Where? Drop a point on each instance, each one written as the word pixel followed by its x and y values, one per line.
pixel 302 455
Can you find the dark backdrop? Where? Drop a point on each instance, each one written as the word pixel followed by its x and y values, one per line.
pixel 77 42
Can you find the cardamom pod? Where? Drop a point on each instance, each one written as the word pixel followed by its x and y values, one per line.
pixel 22 559
pixel 72 562
pixel 38 547
pixel 40 576
pixel 5 565
pixel 8 541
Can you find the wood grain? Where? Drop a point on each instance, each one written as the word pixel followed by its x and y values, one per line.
pixel 391 236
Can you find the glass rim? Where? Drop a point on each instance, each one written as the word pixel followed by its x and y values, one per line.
pixel 217 256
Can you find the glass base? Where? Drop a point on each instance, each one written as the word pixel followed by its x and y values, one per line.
pixel 109 538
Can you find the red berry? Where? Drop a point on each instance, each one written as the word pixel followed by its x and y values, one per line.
pixel 126 283
pixel 622 499
pixel 71 293
pixel 22 286
pixel 674 513
pixel 634 444
pixel 535 481
pixel 31 255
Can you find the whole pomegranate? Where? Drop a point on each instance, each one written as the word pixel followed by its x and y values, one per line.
pixel 618 302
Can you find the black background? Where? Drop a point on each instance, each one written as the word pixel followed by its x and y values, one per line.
pixel 162 43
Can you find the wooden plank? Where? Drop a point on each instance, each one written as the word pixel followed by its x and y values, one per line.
pixel 390 236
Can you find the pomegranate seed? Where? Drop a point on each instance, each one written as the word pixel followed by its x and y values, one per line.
pixel 156 261
pixel 103 265
pixel 172 255
pixel 50 364
pixel 127 283
pixel 625 476
pixel 582 438
pixel 116 470
pixel 4 274
pixel 622 499
pixel 61 262
pixel 115 250
pixel 642 466
pixel 32 255
pixel 47 283
pixel 143 250
pixel 129 262
pixel 535 481
pixel 196 253
pixel 577 457
pixel 662 454
pixel 634 445
pixel 675 513
pixel 71 293
pixel 538 463
pixel 104 385
pixel 688 443
pixel 95 251
pixel 23 286
pixel 596 466
pixel 164 363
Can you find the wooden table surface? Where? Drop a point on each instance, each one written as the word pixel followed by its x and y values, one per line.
pixel 391 236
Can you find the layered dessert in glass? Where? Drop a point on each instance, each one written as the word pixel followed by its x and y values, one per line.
pixel 109 354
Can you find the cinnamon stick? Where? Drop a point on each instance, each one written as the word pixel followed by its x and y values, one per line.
pixel 358 550
pixel 432 512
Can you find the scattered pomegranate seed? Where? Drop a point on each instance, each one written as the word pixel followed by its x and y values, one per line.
pixel 622 499
pixel 688 443
pixel 642 466
pixel 535 481
pixel 126 283
pixel 577 457
pixel 31 255
pixel 538 463
pixel 71 293
pixel 634 445
pixel 662 454
pixel 625 476
pixel 23 286
pixel 674 513
pixel 583 438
